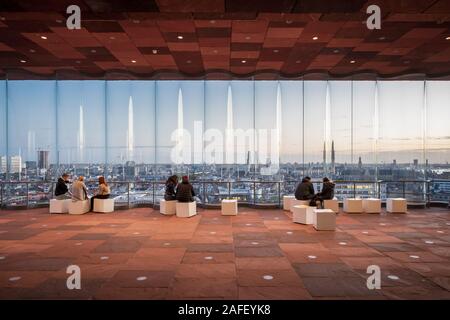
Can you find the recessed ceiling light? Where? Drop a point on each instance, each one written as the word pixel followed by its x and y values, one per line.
pixel 276 50
pixel 288 21
pixel 189 61
pixel 336 51
pixel 315 38
pixel 212 21
pixel 382 38
pixel 78 61
pixel 298 61
pixel 448 38
pixel 180 37
pixel 44 37
pixel 2 18
pixel 112 38
pixel 136 21
pixel 248 38
pixel 353 61
pixel 133 61
pixel 244 61
pixel 23 61
pixel 32 50
pixel 93 51
pixel 155 51
pixel 58 21
pixel 406 61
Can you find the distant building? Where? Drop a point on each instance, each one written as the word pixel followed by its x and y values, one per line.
pixel 333 158
pixel 359 163
pixel 16 164
pixel 416 162
pixel 31 165
pixel 43 159
pixel 394 162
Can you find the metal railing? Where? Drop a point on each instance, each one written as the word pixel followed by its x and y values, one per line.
pixel 128 194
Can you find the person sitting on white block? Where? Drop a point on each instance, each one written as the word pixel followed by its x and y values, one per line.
pixel 80 203
pixel 59 206
pixel 372 205
pixel 103 205
pixel 287 202
pixel 396 205
pixel 229 207
pixel 325 219
pixel 353 205
pixel 168 207
pixel 305 191
pixel 186 206
pixel 103 192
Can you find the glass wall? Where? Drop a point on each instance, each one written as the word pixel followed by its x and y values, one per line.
pixel 233 138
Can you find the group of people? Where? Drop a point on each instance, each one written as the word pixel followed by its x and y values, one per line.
pixel 183 192
pixel 305 191
pixel 78 191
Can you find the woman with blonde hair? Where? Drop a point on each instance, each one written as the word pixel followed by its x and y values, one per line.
pixel 103 191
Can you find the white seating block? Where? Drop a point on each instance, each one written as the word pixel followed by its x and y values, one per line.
pixel 186 209
pixel 353 205
pixel 295 202
pixel 325 220
pixel 332 204
pixel 303 214
pixel 59 206
pixel 229 207
pixel 287 202
pixel 396 205
pixel 168 207
pixel 372 205
pixel 104 205
pixel 79 207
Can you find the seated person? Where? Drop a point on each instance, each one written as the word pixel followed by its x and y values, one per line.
pixel 171 185
pixel 61 190
pixel 305 190
pixel 79 190
pixel 103 191
pixel 327 193
pixel 185 191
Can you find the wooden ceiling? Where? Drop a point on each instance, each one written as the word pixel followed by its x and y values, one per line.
pixel 223 39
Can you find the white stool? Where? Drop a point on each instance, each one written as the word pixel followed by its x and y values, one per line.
pixel 332 204
pixel 372 205
pixel 353 205
pixel 325 219
pixel 287 202
pixel 303 214
pixel 168 207
pixel 229 207
pixel 103 205
pixel 396 205
pixel 59 206
pixel 186 209
pixel 79 207
pixel 295 202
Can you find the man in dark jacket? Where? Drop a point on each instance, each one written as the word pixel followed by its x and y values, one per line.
pixel 327 192
pixel 185 191
pixel 61 189
pixel 171 185
pixel 305 190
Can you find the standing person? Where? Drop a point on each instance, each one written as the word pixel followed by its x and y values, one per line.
pixel 62 190
pixel 327 192
pixel 79 190
pixel 171 185
pixel 305 190
pixel 103 191
pixel 185 191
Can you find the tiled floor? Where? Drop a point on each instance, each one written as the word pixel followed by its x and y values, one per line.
pixel 259 254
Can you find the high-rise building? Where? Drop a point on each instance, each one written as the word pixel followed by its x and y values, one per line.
pixel 359 163
pixel 43 159
pixel 16 164
pixel 416 162
pixel 2 164
pixel 333 157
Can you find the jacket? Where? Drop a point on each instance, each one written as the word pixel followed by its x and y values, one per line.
pixel 304 191
pixel 327 190
pixel 185 192
pixel 79 191
pixel 61 187
pixel 170 191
